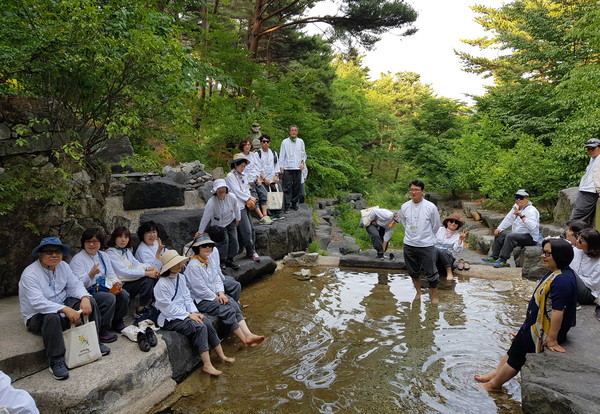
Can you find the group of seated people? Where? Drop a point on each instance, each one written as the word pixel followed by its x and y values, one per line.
pixel 100 284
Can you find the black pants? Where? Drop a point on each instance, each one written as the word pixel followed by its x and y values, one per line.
pixel 292 185
pixel 505 242
pixel 143 287
pixel 376 234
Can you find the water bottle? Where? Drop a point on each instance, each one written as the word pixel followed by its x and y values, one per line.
pixel 540 239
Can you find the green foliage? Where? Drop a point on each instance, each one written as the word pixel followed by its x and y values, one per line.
pixel 141 163
pixel 315 247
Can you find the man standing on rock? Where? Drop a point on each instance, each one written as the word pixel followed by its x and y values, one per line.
pixel 421 221
pixel 520 227
pixel 585 204
pixel 291 162
pixel 383 223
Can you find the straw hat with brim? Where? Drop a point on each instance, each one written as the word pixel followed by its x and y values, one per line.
pixel 455 217
pixel 171 258
pixel 237 158
pixel 202 239
pixel 218 184
pixel 51 241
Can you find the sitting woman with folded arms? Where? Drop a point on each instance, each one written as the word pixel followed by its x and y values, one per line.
pixel 138 278
pixel 93 267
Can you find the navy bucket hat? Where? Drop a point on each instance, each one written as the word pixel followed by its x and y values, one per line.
pixel 51 241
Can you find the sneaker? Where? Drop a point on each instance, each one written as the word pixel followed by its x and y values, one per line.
pixel 142 341
pixel 59 369
pixel 275 216
pixel 501 263
pixel 597 312
pixel 295 208
pixel 151 337
pixel 231 264
pixel 255 257
pixel 266 220
pixel 380 255
pixel 104 350
pixel 286 211
pixel 489 259
pixel 107 337
pixel 577 306
pixel 118 327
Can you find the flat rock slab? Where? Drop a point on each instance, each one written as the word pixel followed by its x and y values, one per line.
pixel 553 382
pixel 368 259
pixel 250 270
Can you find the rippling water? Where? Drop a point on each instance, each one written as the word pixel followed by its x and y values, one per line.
pixel 352 341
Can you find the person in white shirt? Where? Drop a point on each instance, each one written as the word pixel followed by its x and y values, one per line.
pixel 291 163
pixel 520 227
pixel 449 242
pixel 50 296
pixel 421 221
pixel 232 287
pixel 150 248
pixel 14 400
pixel 257 187
pixel 587 197
pixel 94 269
pixel 178 312
pixel 383 223
pixel 222 210
pixel 586 265
pixel 203 278
pixel 138 278
pixel 268 164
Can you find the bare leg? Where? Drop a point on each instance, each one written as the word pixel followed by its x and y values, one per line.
pixel 487 377
pixel 247 337
pixel 449 275
pixel 257 211
pixel 417 283
pixel 502 375
pixel 207 364
pixel 264 209
pixel 221 354
pixel 433 292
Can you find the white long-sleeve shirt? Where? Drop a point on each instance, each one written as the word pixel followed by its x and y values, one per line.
pixel 147 254
pixel 125 265
pixel 448 243
pixel 421 221
pixel 238 186
pixel 588 270
pixel 383 218
pixel 292 154
pixel 82 263
pixel 252 169
pixel 173 300
pixel 587 181
pixel 530 225
pixel 44 291
pixel 268 163
pixel 204 279
pixel 219 212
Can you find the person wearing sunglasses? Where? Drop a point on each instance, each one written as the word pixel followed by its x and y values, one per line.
pixel 587 197
pixel 448 242
pixel 520 227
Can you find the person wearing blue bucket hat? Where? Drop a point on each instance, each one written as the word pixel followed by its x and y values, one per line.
pixel 50 296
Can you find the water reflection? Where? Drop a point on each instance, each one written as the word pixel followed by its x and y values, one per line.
pixel 349 341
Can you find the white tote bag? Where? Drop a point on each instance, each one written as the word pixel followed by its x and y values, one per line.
pixel 274 199
pixel 364 216
pixel 81 343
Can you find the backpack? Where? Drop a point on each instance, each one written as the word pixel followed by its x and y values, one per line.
pixel 274 156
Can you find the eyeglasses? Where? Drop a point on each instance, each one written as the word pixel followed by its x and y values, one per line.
pixel 264 141
pixel 518 197
pixel 92 241
pixel 546 253
pixel 49 252
pixel 207 246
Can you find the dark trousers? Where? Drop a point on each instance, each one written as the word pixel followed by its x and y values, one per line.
pixel 228 248
pixel 443 259
pixel 376 234
pixel 232 287
pixel 417 258
pixel 113 308
pixel 203 336
pixel 246 232
pixel 292 184
pixel 505 242
pixel 52 325
pixel 584 294
pixel 143 287
pixel 230 313
pixel 585 206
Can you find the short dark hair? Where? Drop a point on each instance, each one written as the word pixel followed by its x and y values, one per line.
pixel 562 251
pixel 265 136
pixel 417 183
pixel 216 233
pixel 144 228
pixel 293 126
pixel 89 234
pixel 118 232
pixel 576 226
pixel 243 143
pixel 592 237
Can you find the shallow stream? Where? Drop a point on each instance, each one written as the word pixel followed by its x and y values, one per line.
pixel 354 341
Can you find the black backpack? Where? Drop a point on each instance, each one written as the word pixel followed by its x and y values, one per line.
pixel 260 151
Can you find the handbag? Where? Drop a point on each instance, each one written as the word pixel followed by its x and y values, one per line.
pixel 274 199
pixel 81 343
pixel 365 216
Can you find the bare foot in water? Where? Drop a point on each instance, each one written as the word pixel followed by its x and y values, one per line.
pixel 485 377
pixel 417 296
pixel 489 387
pixel 211 370
pixel 254 340
pixel 435 300
pixel 228 359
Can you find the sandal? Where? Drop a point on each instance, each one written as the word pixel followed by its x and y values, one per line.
pixel 466 265
pixel 460 265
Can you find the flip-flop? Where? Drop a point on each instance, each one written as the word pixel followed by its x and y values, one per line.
pixel 466 265
pixel 460 265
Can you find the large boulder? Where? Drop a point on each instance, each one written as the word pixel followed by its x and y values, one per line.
pixel 161 192
pixel 564 206
pixel 176 227
pixel 528 258
pixel 113 151
pixel 294 232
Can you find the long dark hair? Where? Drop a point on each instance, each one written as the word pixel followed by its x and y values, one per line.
pixel 562 251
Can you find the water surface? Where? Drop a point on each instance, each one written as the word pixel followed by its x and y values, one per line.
pixel 354 341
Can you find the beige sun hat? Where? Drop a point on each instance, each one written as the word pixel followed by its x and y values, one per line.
pixel 171 258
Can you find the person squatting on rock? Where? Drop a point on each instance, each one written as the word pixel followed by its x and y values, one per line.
pixel 448 242
pixel 291 162
pixel 222 210
pixel 421 221
pixel 383 223
pixel 50 296
pixel 550 315
pixel 257 188
pixel 203 277
pixel 237 182
pixel 138 278
pixel 93 267
pixel 520 227
pixel 178 312
pixel 587 197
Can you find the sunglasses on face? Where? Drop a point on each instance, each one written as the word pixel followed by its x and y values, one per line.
pixel 452 221
pixel 546 253
pixel 207 246
pixel 49 252
pixel 264 141
pixel 519 197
